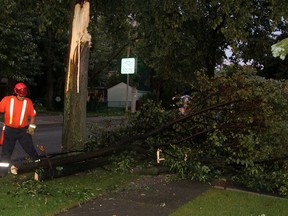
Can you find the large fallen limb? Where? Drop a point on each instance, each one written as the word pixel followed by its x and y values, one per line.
pixel 122 145
pixel 49 163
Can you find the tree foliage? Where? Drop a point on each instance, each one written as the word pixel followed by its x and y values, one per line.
pixel 19 57
pixel 52 39
pixel 280 49
pixel 190 36
pixel 235 129
pixel 176 39
pixel 247 139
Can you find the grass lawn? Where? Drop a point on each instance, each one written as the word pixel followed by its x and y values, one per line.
pixel 216 202
pixel 21 195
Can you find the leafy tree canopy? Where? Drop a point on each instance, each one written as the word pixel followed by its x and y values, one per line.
pixel 181 37
pixel 19 56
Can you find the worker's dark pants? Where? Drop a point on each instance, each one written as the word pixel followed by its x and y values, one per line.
pixel 11 136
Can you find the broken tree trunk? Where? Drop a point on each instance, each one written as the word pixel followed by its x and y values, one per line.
pixel 74 127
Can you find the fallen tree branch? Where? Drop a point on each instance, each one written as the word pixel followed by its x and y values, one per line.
pixel 106 151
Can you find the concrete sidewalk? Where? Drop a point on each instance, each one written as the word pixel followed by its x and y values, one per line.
pixel 148 196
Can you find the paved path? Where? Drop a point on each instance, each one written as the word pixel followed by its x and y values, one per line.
pixel 148 196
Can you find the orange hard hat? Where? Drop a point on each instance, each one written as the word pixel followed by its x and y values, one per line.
pixel 21 89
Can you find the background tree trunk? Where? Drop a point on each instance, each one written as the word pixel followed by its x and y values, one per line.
pixel 133 99
pixel 75 93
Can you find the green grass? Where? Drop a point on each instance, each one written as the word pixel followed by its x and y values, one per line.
pixel 216 202
pixel 21 195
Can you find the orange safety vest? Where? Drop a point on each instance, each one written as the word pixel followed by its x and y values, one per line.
pixel 16 112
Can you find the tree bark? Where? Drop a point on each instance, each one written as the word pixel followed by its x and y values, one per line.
pixel 75 93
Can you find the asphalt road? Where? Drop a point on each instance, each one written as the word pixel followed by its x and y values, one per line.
pixel 49 133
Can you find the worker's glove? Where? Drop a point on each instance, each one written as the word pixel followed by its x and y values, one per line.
pixel 13 170
pixel 31 129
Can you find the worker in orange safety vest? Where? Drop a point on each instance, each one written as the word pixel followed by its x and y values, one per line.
pixel 18 110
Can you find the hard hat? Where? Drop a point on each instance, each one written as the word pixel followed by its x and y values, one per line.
pixel 21 89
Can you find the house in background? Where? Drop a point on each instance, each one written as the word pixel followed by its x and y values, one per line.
pixel 116 95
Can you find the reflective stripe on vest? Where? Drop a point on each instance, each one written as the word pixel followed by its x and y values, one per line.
pixel 3 164
pixel 11 110
pixel 22 111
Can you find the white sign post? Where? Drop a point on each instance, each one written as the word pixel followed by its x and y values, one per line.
pixel 128 66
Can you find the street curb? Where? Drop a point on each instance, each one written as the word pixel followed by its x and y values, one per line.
pixel 245 191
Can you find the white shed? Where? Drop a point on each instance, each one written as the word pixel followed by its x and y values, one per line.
pixel 116 95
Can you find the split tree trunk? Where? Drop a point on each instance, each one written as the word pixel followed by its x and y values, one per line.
pixel 75 93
